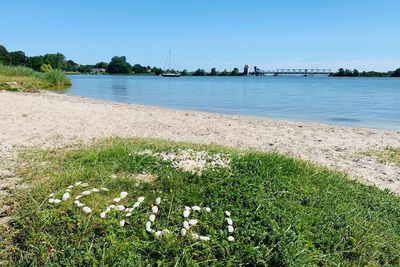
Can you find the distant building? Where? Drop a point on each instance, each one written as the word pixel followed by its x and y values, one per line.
pixel 98 71
pixel 246 70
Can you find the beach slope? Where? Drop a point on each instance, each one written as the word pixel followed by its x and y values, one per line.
pixel 49 120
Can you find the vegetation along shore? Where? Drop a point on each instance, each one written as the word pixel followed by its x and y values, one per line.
pixel 25 79
pixel 119 65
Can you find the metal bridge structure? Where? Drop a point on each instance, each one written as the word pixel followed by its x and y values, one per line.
pixel 303 72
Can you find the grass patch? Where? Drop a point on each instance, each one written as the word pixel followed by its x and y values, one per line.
pixel 387 155
pixel 26 79
pixel 286 212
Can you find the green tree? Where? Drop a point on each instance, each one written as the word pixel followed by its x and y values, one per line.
pixel 18 58
pixel 213 72
pixel 71 66
pixel 199 72
pixel 101 65
pixel 224 73
pixel 57 61
pixel 396 73
pixel 356 73
pixel 137 68
pixel 156 71
pixel 85 68
pixel 340 73
pixel 184 72
pixel 36 62
pixel 45 68
pixel 119 65
pixel 348 73
pixel 235 72
pixel 4 56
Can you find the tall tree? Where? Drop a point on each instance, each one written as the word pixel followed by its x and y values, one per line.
pixel 101 65
pixel 157 71
pixel 36 62
pixel 213 72
pixel 224 73
pixel 71 66
pixel 348 73
pixel 4 56
pixel 340 72
pixel 57 61
pixel 396 73
pixel 199 72
pixel 235 72
pixel 85 68
pixel 119 65
pixel 18 58
pixel 137 68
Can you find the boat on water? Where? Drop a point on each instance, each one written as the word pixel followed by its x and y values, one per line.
pixel 170 74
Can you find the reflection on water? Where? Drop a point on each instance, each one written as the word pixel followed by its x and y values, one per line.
pixel 344 120
pixel 361 102
pixel 119 89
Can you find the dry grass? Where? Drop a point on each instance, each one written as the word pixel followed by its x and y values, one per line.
pixel 387 155
pixel 25 84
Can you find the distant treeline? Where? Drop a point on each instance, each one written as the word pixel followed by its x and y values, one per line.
pixel 119 65
pixel 58 61
pixel 213 72
pixel 356 73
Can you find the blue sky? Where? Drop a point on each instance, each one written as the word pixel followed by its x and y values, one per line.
pixel 209 33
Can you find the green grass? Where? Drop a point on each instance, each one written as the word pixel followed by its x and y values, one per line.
pixel 26 79
pixel 389 154
pixel 286 212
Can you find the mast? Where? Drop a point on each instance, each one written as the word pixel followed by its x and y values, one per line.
pixel 169 60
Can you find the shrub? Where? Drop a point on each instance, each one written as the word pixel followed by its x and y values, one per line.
pixel 45 68
pixel 57 78
pixel 30 79
pixel 5 86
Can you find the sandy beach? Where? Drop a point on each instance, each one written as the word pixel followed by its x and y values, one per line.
pixel 48 120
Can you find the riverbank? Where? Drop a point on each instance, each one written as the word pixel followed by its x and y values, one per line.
pixel 18 78
pixel 48 120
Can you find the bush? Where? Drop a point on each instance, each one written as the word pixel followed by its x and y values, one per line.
pixel 27 77
pixel 57 78
pixel 45 68
pixel 6 86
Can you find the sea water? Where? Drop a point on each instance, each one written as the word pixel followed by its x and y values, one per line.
pixel 358 102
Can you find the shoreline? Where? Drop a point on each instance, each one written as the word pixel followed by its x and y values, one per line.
pixel 49 119
pixel 254 117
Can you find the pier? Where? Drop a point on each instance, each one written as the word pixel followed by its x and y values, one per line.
pixel 303 72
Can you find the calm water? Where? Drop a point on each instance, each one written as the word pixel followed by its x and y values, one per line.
pixel 361 102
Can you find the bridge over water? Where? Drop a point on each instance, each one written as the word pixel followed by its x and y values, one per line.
pixel 303 72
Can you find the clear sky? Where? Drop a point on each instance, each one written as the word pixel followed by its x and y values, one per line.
pixel 363 34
